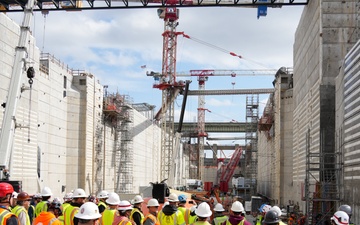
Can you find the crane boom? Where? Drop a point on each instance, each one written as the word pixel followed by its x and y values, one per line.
pixel 232 73
pixel 9 120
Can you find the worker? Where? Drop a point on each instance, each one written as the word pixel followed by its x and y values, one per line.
pixel 203 212
pixel 151 217
pixel 67 201
pixel 193 216
pixel 36 198
pixel 235 218
pixel 348 210
pixel 6 216
pixel 264 208
pixel 47 217
pixel 278 211
pixel 56 206
pixel 182 208
pixel 101 197
pixel 123 215
pixel 227 201
pixel 79 197
pixel 13 199
pixel 219 217
pixel 272 217
pixel 109 213
pixel 88 214
pixel 136 214
pixel 45 196
pixel 340 218
pixel 170 215
pixel 22 201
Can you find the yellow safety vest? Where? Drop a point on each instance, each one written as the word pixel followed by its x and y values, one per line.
pixel 220 219
pixel 64 206
pixel 176 218
pixel 41 207
pixel 108 216
pixel 152 218
pixel 141 215
pixel 69 214
pixel 201 223
pixel 4 215
pixel 61 219
pixel 18 209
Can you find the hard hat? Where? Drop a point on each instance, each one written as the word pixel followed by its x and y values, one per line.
pixel 182 198
pixel 113 199
pixel 345 208
pixel 266 208
pixel 14 194
pixel 124 206
pixel 237 207
pixel 68 196
pixel 340 218
pixel 45 192
pixel 91 198
pixel 138 199
pixel 153 202
pixel 88 211
pixel 276 209
pixel 173 197
pixel 271 217
pixel 219 208
pixel 5 189
pixel 203 210
pixel 165 204
pixel 79 193
pixel 261 207
pixel 193 208
pixel 37 195
pixel 23 196
pixel 103 194
pixel 56 200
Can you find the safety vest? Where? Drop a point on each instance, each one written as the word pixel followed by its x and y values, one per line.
pixel 5 215
pixel 141 215
pixel 220 219
pixel 121 220
pixel 41 207
pixel 46 218
pixel 101 203
pixel 259 220
pixel 151 217
pixel 108 216
pixel 201 223
pixel 69 214
pixel 175 219
pixel 33 212
pixel 241 222
pixel 18 209
pixel 61 219
pixel 64 206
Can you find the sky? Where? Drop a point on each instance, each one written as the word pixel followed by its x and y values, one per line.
pixel 115 44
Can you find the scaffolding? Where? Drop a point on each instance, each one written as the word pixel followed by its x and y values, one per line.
pixel 251 139
pixel 322 188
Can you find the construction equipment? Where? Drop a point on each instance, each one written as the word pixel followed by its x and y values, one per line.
pixel 229 170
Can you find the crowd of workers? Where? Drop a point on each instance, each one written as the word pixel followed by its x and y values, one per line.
pixel 107 209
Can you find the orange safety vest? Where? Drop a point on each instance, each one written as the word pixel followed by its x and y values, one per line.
pixel 152 218
pixel 5 215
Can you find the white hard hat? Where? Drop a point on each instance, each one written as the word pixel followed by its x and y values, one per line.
pixel 237 207
pixel 124 206
pixel 153 202
pixel 137 199
pixel 203 210
pixel 340 218
pixel 68 196
pixel 113 199
pixel 46 191
pixel 165 204
pixel 103 194
pixel 219 208
pixel 173 197
pixel 79 193
pixel 267 208
pixel 88 211
pixel 276 209
pixel 193 208
pixel 14 194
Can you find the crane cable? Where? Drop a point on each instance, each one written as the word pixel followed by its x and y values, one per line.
pixel 220 49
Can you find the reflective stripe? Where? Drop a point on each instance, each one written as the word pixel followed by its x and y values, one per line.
pixel 51 221
pixel 141 215
pixel 220 219
pixel 187 216
pixel 18 209
pixel 4 215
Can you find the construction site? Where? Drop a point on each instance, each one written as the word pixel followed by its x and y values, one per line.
pixel 62 128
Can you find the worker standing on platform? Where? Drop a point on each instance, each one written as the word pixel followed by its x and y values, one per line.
pixel 348 210
pixel 203 212
pixel 79 197
pixel 219 216
pixel 7 217
pixel 123 215
pixel 45 196
pixel 88 214
pixel 170 215
pixel 136 214
pixel 102 196
pixel 108 215
pixel 22 201
pixel 235 218
pixel 151 217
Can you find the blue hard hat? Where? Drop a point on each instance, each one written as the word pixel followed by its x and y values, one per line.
pixel 261 207
pixel 182 198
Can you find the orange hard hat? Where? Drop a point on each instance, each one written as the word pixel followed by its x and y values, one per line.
pixel 23 196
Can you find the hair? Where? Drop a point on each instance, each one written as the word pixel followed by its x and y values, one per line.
pixel 201 218
pixel 21 203
pixel 45 198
